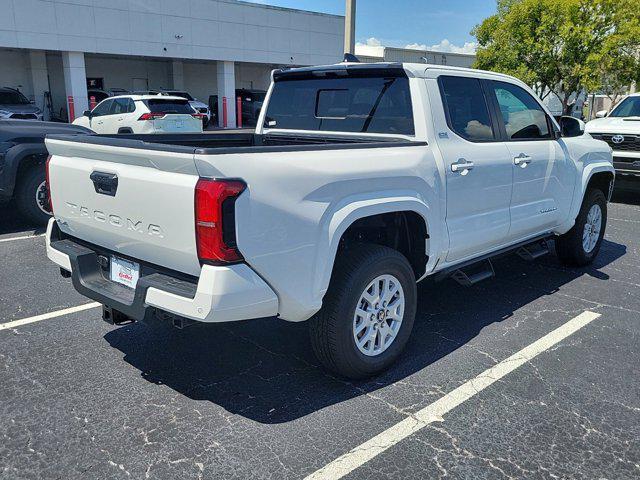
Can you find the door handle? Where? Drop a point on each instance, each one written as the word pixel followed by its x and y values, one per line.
pixel 522 160
pixel 462 166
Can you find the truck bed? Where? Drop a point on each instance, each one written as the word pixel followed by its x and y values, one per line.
pixel 234 142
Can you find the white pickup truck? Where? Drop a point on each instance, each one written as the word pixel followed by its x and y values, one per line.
pixel 360 180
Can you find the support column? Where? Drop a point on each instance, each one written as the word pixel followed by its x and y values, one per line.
pixel 39 78
pixel 227 89
pixel 75 81
pixel 177 74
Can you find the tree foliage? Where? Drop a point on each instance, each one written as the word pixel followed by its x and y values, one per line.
pixel 563 46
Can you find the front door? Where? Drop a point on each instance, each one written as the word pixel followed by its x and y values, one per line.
pixel 478 168
pixel 100 116
pixel 543 172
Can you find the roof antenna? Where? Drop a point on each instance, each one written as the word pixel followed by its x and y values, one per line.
pixel 350 58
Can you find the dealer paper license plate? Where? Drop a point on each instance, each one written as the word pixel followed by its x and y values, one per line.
pixel 125 272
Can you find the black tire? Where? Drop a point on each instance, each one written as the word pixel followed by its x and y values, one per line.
pixel 331 329
pixel 30 184
pixel 569 247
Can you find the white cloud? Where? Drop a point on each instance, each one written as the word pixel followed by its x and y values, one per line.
pixel 372 47
pixel 446 46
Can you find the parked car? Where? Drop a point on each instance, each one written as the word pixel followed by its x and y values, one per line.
pixel 22 165
pixel 15 106
pixel 198 106
pixel 252 101
pixel 359 180
pixel 142 114
pixel 621 130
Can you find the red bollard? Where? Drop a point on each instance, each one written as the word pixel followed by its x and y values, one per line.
pixel 239 112
pixel 72 112
pixel 92 102
pixel 224 112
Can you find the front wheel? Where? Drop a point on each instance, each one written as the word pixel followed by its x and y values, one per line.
pixel 580 245
pixel 368 312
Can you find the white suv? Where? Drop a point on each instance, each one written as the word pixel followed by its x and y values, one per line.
pixel 142 114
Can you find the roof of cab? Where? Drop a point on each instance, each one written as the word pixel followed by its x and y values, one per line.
pixel 389 68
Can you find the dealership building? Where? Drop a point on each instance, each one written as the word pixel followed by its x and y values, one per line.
pixel 53 49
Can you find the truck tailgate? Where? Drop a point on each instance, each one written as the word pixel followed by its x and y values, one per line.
pixel 136 202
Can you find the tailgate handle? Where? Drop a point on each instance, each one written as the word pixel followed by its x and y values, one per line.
pixel 105 183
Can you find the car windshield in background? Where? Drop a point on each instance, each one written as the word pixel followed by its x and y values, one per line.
pixel 180 94
pixel 358 104
pixel 629 107
pixel 12 98
pixel 169 106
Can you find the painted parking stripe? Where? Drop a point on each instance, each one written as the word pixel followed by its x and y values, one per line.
pixel 434 412
pixel 24 237
pixel 47 316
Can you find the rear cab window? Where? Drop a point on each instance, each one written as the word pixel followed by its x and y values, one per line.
pixel 160 105
pixel 342 103
pixel 466 108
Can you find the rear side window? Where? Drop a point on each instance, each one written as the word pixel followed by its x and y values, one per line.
pixel 524 118
pixel 351 104
pixel 168 106
pixel 122 105
pixel 466 108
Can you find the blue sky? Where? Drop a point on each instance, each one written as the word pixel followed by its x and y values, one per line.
pixel 445 24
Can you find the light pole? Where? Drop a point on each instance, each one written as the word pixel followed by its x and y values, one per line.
pixel 350 27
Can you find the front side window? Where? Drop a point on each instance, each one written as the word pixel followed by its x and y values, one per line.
pixel 524 118
pixel 466 107
pixel 350 104
pixel 629 107
pixel 102 108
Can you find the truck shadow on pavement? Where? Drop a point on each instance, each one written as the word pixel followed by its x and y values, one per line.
pixel 265 370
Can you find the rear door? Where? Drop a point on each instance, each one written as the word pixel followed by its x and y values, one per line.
pixel 478 167
pixel 543 173
pixel 137 202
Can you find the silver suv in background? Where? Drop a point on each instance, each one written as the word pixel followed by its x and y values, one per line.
pixel 15 106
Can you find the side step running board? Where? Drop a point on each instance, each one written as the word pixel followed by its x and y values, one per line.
pixel 532 251
pixel 472 274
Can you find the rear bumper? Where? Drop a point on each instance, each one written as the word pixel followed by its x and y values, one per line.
pixel 220 294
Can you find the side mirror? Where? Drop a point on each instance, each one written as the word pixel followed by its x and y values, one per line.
pixel 87 113
pixel 602 113
pixel 571 126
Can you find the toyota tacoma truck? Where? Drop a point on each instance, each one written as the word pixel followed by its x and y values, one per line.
pixel 621 130
pixel 359 181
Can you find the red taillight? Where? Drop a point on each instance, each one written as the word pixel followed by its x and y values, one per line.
pixel 198 115
pixel 48 184
pixel 215 220
pixel 152 115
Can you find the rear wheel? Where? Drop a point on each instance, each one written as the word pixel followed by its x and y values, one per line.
pixel 31 196
pixel 580 245
pixel 368 312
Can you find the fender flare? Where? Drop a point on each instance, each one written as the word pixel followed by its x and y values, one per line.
pixel 12 160
pixel 351 209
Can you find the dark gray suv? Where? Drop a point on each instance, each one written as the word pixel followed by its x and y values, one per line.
pixel 15 106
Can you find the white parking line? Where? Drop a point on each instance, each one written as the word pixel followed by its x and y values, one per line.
pixel 434 412
pixel 24 237
pixel 47 316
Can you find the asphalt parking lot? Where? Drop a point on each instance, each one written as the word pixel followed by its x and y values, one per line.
pixel 481 394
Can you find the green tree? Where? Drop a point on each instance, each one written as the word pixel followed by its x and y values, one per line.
pixel 563 46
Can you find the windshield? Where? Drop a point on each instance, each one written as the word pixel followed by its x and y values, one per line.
pixel 180 94
pixel 353 104
pixel 13 98
pixel 629 107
